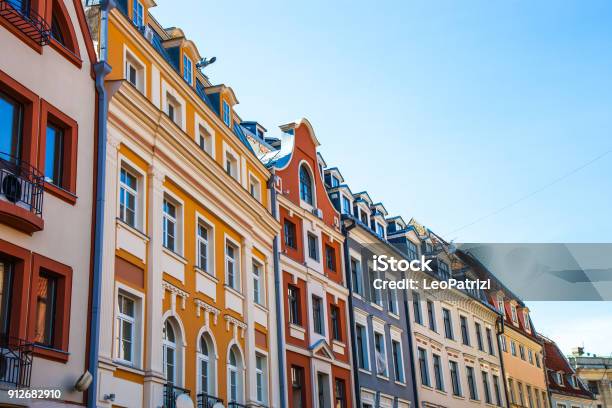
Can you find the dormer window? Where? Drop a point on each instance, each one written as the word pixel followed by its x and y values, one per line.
pixel 380 230
pixel 558 378
pixel 500 304
pixel 227 119
pixel 187 70
pixel 305 185
pixel 363 216
pixel 514 316
pixel 334 181
pixel 526 319
pixel 137 13
pixel 346 205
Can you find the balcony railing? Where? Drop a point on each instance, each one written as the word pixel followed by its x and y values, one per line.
pixel 15 362
pixel 171 393
pixel 20 14
pixel 234 404
pixel 21 184
pixel 207 401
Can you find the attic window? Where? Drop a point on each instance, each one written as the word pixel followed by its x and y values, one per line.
pixel 226 114
pixel 187 70
pixel 137 13
pixel 526 319
pixel 558 378
pixel 334 181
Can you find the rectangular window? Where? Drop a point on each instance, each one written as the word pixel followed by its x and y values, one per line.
pixel 231 165
pixel 260 381
pixel 54 155
pixel 530 356
pixel 479 336
pixel 423 367
pixel 232 266
pixel 293 295
pixel 529 397
pixel 455 380
pixel 11 131
pixel 472 383
pixel 226 114
pixel 381 354
pixel 413 252
pixel 431 315
pixel 490 342
pixel 137 13
pixel 356 276
pixel 289 229
pixel 335 322
pixel 187 70
pixel 169 225
pixel 317 314
pixel 513 347
pixel 416 306
pixel 519 387
pixel 255 188
pixel 380 230
pixel 522 351
pixel 205 141
pixel 503 344
pixel 46 303
pixel 511 391
pixel 398 361
pixel 498 398
pixel 485 387
pixel 330 258
pixel 465 335
pixel 362 347
pixel 258 286
pixel 313 247
pixel 346 206
pixel 298 395
pixel 448 324
pixel 128 195
pixel 537 359
pixel 375 294
pixel 443 270
pixel 340 394
pixel 438 376
pixel 203 247
pixel 392 300
pixel 126 320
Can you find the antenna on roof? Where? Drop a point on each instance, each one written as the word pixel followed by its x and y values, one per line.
pixel 204 62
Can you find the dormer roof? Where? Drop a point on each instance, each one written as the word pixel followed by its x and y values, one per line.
pixel 224 90
pixel 398 220
pixel 334 171
pixel 363 196
pixel 380 208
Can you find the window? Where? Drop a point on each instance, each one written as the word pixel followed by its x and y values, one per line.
pixel 313 247
pixel 593 387
pixel 412 251
pixel 137 13
pixel 438 376
pixel 381 354
pixel 530 356
pixel 423 367
pixel 448 324
pixel 537 359
pixel 522 351
pixel 335 322
pixel 465 335
pixel 317 314
pixel 529 397
pixel 455 380
pixel 305 185
pixel 234 375
pixel 431 315
pixel 398 361
pixel 519 387
pixel 485 387
pixel 558 378
pixel 362 347
pixel 511 390
pixel 173 109
pixel 443 270
pixel 479 335
pixel 526 320
pixel 206 370
pixel 255 188
pixel 6 298
pixel 232 268
pixel 346 206
pixel 169 352
pixel 231 165
pixel 392 300
pixel 340 393
pixel 500 304
pixel 134 71
pixel 375 294
pixel 297 387
pixel 330 258
pixel 46 303
pixel 125 329
pixel 513 347
pixel 490 342
pixel 364 217
pixel 205 140
pixel 380 230
pixel 258 286
pixel 293 296
pixel 498 399
pixel 11 131
pixel 416 306
pixel 203 248
pixel 472 383
pixel 334 181
pixel 289 229
pixel 514 317
pixel 504 344
pixel 227 119
pixel 128 194
pixel 169 225
pixel 187 70
pixel 260 381
pixel 356 276
pixel 54 155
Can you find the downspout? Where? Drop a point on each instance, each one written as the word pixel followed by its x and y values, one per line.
pixel 101 70
pixel 347 270
pixel 500 331
pixel 410 345
pixel 280 332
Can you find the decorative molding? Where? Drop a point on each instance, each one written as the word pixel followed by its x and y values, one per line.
pixel 208 310
pixel 237 325
pixel 174 292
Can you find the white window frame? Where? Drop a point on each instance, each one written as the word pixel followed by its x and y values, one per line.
pixel 258 281
pixel 235 262
pixel 187 69
pixel 169 95
pixel 381 331
pixel 174 346
pixel 254 183
pixel 261 373
pixel 130 59
pixel 138 13
pixel 167 220
pixel 200 124
pixel 138 328
pixel 128 190
pixel 234 157
pixel 362 320
pixel 396 336
pixel 211 361
pixel 210 244
pixel 226 112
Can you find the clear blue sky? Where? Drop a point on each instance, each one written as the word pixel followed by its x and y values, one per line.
pixel 445 112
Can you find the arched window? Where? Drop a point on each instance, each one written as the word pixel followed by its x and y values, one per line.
pixel 169 352
pixel 62 29
pixel 206 365
pixel 234 375
pixel 305 185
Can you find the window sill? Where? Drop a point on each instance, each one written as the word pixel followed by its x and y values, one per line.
pixel 60 193
pixel 133 230
pixel 234 291
pixel 127 366
pixel 50 353
pixel 175 255
pixel 66 53
pixel 260 307
pixel 376 306
pixel 338 343
pixel 382 377
pixel 394 315
pixel 206 274
pixel 363 370
pixel 296 327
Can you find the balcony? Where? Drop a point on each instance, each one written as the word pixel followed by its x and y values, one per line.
pixel 15 362
pixel 24 19
pixel 171 393
pixel 234 404
pixel 21 195
pixel 208 401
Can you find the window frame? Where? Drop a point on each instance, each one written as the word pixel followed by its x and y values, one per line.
pixel 235 261
pixel 209 242
pixel 187 69
pixel 294 305
pixel 259 287
pixel 313 246
pixel 318 315
pixel 226 113
pixel 131 60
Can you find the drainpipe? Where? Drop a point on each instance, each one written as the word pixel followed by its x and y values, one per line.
pixel 500 330
pixel 347 270
pixel 410 345
pixel 101 70
pixel 280 332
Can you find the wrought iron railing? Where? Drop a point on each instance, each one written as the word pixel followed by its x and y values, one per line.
pixel 207 400
pixel 21 184
pixel 15 361
pixel 234 404
pixel 171 393
pixel 21 15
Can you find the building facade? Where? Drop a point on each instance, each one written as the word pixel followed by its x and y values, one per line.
pixel 187 288
pixel 382 360
pixel 596 372
pixel 47 145
pixel 456 354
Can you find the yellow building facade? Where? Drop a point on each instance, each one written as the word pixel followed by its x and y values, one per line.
pixel 187 288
